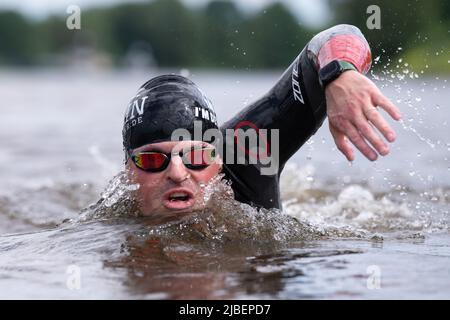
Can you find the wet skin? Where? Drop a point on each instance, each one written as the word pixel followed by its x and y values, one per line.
pixel 177 189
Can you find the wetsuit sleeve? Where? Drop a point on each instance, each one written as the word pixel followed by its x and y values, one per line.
pixel 295 107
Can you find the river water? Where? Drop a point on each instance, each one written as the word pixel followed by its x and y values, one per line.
pixel 360 230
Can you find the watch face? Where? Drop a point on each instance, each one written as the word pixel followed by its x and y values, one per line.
pixel 333 67
pixel 330 72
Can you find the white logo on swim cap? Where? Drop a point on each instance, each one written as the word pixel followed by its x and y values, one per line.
pixel 135 107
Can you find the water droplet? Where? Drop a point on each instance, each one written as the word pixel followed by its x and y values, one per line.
pixel 185 73
pixel 412 173
pixel 419 154
pixel 418 99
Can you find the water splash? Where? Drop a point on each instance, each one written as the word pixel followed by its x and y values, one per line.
pixel 356 211
pixel 225 219
pixel 409 127
pixel 311 211
pixel 117 200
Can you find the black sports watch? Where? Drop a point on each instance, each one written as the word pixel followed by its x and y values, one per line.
pixel 333 70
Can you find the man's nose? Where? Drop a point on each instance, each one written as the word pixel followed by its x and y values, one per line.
pixel 177 171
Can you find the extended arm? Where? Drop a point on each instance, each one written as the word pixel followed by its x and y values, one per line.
pixel 298 104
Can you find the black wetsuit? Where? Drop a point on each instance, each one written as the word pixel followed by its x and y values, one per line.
pixel 296 106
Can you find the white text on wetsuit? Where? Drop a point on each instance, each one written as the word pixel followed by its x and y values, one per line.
pixel 296 83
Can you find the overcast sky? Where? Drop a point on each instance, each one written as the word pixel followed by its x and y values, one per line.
pixel 310 12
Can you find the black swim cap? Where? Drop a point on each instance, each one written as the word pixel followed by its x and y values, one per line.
pixel 162 105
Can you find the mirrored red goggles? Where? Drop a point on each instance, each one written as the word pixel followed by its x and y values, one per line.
pixel 156 161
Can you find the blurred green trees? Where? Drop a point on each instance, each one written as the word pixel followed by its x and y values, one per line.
pixel 219 34
pixel 17 39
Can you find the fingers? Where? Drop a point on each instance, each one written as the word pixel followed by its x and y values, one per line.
pixel 387 105
pixel 353 116
pixel 342 143
pixel 368 132
pixel 358 140
pixel 378 121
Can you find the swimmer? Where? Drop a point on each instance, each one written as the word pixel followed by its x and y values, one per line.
pixel 326 79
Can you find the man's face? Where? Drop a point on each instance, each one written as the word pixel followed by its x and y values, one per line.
pixel 176 189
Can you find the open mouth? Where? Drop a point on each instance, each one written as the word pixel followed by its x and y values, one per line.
pixel 178 199
pixel 179 196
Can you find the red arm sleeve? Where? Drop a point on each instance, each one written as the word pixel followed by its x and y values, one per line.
pixel 342 42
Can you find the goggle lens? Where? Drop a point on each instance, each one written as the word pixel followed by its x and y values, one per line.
pixel 195 158
pixel 199 158
pixel 150 161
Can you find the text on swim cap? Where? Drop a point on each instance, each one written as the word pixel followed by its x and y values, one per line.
pixel 205 114
pixel 134 108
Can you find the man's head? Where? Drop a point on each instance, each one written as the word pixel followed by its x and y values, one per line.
pixel 170 173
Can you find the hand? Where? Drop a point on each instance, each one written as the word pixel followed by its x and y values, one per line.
pixel 352 101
